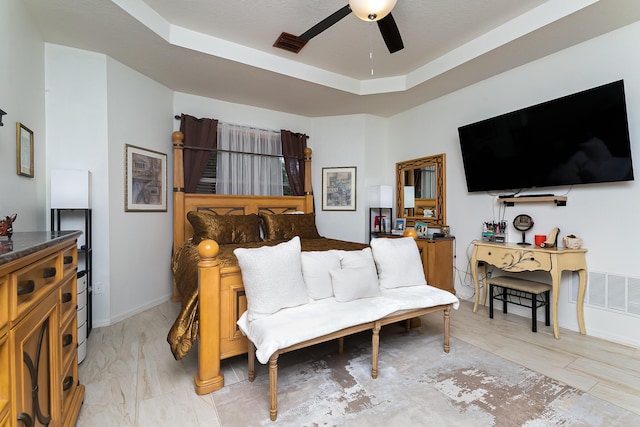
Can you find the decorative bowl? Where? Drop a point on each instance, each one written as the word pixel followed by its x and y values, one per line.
pixel 410 232
pixel 572 242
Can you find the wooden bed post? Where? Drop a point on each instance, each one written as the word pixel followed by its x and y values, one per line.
pixel 178 198
pixel 308 188
pixel 208 378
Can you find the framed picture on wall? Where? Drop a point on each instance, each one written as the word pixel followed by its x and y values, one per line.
pixel 339 189
pixel 145 180
pixel 24 150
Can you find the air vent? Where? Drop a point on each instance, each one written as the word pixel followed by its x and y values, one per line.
pixel 290 43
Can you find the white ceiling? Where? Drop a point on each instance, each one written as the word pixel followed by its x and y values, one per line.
pixel 223 49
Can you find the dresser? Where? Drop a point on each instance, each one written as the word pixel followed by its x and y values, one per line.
pixel 38 330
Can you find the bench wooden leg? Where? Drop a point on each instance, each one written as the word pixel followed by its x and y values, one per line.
pixel 273 386
pixel 447 330
pixel 375 346
pixel 251 358
pixel 340 345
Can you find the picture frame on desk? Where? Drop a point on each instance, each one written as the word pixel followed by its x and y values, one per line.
pixel 422 229
pixel 400 224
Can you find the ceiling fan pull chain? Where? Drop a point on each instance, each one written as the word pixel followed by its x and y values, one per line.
pixel 371 47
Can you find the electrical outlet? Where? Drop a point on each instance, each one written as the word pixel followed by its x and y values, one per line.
pixel 98 288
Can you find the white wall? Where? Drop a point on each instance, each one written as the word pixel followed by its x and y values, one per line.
pixel 22 98
pixel 140 114
pixel 76 106
pixel 95 106
pixel 602 214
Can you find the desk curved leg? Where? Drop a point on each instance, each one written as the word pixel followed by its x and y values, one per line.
pixel 556 275
pixel 474 276
pixel 582 275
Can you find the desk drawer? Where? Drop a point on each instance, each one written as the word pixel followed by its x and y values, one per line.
pixel 510 259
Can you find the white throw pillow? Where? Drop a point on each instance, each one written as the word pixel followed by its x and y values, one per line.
pixel 356 259
pixel 398 262
pixel 315 270
pixel 354 283
pixel 272 277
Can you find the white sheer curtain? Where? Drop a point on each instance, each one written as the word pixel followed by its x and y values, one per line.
pixel 248 174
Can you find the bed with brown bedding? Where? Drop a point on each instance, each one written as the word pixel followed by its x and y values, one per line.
pixel 212 305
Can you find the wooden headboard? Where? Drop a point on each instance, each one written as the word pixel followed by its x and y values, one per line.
pixel 228 204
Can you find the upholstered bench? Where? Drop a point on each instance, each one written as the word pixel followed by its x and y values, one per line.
pixel 522 292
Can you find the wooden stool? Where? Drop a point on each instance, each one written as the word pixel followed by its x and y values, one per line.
pixel 515 290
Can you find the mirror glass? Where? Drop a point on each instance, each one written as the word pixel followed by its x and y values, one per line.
pixel 420 190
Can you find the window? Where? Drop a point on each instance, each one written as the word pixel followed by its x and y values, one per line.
pixel 247 161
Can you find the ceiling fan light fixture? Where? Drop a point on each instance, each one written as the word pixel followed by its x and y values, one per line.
pixel 371 10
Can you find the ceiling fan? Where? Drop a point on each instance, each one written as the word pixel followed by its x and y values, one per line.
pixel 368 10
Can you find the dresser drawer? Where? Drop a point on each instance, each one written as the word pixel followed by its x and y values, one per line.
pixel 68 386
pixel 514 260
pixel 68 299
pixel 69 343
pixel 31 284
pixel 70 259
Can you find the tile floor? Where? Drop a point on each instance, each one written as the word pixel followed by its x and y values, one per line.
pixel 132 379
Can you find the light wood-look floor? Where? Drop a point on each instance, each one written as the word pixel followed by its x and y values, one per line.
pixel 132 379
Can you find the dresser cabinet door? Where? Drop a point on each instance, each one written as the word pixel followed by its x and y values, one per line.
pixel 439 264
pixel 34 365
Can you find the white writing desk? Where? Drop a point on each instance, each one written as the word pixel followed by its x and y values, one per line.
pixel 512 257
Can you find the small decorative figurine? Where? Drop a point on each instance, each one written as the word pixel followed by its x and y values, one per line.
pixel 6 225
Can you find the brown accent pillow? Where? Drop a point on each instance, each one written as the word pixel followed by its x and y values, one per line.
pixel 287 226
pixel 224 229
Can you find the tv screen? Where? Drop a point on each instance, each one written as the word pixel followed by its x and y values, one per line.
pixel 577 139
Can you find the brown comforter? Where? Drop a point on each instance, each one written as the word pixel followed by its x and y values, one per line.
pixel 184 331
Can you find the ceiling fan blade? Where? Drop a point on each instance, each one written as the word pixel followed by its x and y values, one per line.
pixel 325 23
pixel 390 33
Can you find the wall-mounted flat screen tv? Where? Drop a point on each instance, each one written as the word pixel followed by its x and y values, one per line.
pixel 582 138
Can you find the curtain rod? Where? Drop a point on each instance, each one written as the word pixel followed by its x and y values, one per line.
pixel 178 117
pixel 246 153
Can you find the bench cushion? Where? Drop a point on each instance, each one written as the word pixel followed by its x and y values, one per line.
pixel 302 323
pixel 518 284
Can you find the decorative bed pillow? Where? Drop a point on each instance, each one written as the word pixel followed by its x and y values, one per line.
pixel 224 229
pixel 357 277
pixel 316 266
pixel 354 283
pixel 272 278
pixel 398 262
pixel 285 226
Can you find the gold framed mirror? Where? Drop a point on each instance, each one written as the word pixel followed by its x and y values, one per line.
pixel 421 190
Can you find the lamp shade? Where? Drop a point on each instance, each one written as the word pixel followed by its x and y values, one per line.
pixel 371 10
pixel 409 197
pixel 70 189
pixel 381 196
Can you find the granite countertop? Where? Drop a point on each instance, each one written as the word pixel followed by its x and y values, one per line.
pixel 25 243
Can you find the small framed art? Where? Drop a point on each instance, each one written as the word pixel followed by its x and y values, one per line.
pixel 145 180
pixel 339 189
pixel 400 224
pixel 24 150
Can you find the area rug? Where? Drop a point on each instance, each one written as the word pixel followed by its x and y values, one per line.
pixel 418 385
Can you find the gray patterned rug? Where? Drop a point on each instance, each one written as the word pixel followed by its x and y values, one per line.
pixel 418 385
